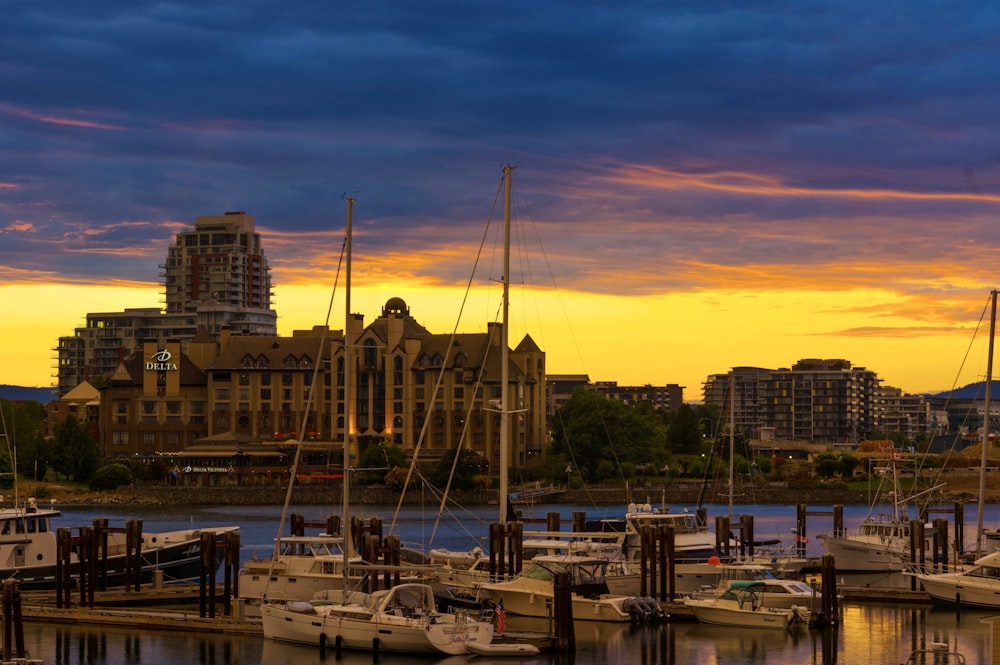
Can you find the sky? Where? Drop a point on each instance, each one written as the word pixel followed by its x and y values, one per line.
pixel 698 186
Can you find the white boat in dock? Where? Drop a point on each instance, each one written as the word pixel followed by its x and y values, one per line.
pixel 978 586
pixel 401 619
pixel 741 606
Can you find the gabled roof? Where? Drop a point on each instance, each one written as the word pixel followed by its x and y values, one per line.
pixel 275 350
pixel 85 392
pixel 475 348
pixel 130 371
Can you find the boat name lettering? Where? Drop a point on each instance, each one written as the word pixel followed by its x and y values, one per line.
pixel 207 469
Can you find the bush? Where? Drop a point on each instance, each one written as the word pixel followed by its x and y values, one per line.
pixel 111 477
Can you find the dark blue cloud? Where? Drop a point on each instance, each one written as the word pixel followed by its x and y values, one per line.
pixel 158 112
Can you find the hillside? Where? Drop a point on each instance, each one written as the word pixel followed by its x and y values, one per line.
pixel 23 394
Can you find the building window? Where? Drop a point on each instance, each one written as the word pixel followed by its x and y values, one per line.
pixel 265 394
pixel 149 439
pixel 265 379
pixel 222 394
pixel 149 407
pixel 244 394
pixel 286 379
pixel 119 438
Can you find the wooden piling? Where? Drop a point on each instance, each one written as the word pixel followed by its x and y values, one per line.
pixel 828 590
pixel 206 586
pixel 562 609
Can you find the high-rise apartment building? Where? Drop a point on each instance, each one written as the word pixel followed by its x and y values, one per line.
pixel 220 268
pixel 215 277
pixel 824 401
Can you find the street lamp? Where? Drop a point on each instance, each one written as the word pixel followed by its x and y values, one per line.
pixel 711 428
pixel 569 472
pixel 666 475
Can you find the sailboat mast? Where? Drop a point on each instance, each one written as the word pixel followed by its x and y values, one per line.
pixel 986 424
pixel 508 172
pixel 732 438
pixel 345 508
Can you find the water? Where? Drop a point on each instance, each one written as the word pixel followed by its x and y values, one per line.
pixel 868 633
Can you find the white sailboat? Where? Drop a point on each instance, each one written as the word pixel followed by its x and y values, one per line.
pixel 978 586
pixel 401 619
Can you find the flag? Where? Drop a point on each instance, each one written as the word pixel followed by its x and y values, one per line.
pixel 501 617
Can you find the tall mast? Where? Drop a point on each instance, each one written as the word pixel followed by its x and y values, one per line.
pixel 508 172
pixel 345 510
pixel 986 424
pixel 732 437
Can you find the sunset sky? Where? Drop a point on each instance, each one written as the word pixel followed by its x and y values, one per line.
pixel 698 185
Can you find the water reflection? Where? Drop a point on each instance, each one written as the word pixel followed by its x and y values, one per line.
pixel 866 634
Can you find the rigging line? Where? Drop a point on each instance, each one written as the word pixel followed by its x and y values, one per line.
pixel 305 414
pixel 465 430
pixel 451 343
pixel 526 260
pixel 954 384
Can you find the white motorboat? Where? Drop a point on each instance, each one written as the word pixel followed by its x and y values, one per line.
pixel 401 619
pixel 28 550
pixel 882 540
pixel 978 586
pixel 302 566
pixel 741 606
pixel 531 592
pixel 773 592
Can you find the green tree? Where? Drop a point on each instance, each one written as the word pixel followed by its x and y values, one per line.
pixel 25 423
pixel 111 476
pixel 76 455
pixel 685 432
pixel 590 428
pixel 380 459
pixel 467 469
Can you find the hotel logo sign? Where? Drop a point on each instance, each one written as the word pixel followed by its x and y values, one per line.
pixel 161 362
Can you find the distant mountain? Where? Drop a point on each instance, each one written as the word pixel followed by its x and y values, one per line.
pixel 23 394
pixel 971 391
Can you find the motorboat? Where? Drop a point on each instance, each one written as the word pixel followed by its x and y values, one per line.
pixel 530 593
pixel 302 566
pixel 741 605
pixel 882 540
pixel 773 592
pixel 401 619
pixel 28 550
pixel 978 586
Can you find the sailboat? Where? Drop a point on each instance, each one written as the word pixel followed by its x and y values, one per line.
pixel 401 619
pixel 978 586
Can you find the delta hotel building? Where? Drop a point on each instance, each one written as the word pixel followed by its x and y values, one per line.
pixel 210 372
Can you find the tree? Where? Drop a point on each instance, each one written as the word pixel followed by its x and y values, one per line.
pixel 76 455
pixel 380 459
pixel 25 423
pixel 684 431
pixel 467 469
pixel 590 428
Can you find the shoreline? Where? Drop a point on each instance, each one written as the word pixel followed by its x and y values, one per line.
pixel 162 495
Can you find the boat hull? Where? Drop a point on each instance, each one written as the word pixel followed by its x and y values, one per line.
pixel 707 611
pixel 955 589
pixel 859 556
pixel 176 555
pixel 379 632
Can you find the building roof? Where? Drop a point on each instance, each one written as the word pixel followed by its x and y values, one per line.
pixel 274 349
pixel 130 371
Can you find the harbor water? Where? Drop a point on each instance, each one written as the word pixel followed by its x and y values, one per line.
pixel 869 632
